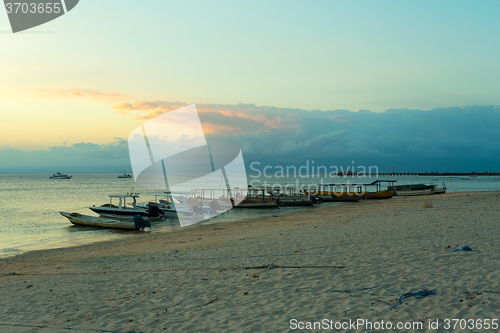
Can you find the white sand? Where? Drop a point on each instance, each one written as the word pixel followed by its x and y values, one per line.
pixel 394 245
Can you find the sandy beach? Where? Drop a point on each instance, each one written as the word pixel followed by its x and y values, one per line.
pixel 271 274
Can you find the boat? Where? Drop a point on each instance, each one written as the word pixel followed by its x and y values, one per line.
pixel 60 176
pixel 210 201
pixel 292 197
pixel 372 190
pixel 418 189
pixel 340 197
pixel 171 205
pixel 225 199
pixel 125 175
pixel 254 197
pixel 99 222
pixel 378 193
pixel 329 193
pixel 122 210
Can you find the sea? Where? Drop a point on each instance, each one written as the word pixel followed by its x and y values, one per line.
pixel 30 205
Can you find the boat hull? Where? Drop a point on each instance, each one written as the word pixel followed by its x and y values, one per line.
pixel 295 203
pixel 265 204
pixel 98 222
pixel 335 198
pixel 403 193
pixel 418 189
pixel 378 195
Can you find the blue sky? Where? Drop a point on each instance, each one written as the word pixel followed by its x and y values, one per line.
pixel 60 82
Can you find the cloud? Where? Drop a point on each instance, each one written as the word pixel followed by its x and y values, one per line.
pixel 396 140
pixel 216 116
pixel 160 107
pixel 452 139
pixel 83 93
pixel 341 119
pixel 443 139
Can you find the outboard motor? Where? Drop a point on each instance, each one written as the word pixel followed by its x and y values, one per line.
pixel 214 205
pixel 140 222
pixel 316 199
pixel 154 211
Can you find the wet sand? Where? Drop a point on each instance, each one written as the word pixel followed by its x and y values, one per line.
pixel 340 263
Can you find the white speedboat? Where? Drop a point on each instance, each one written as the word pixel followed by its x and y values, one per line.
pixel 122 210
pixel 418 189
pixel 60 176
pixel 93 221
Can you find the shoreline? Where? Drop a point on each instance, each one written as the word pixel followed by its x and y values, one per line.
pixel 136 236
pixel 122 236
pixel 257 274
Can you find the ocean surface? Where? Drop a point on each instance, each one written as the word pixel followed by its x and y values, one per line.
pixel 30 205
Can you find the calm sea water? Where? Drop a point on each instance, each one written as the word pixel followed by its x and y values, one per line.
pixel 30 205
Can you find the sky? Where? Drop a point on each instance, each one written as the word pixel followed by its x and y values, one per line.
pixel 408 86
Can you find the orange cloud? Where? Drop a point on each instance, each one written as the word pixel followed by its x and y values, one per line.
pixel 163 106
pixel 160 107
pixel 209 128
pixel 275 123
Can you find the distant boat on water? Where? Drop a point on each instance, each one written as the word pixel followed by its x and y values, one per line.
pixel 60 176
pixel 125 175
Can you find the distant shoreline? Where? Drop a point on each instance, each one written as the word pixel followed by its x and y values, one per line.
pixel 339 174
pixel 441 174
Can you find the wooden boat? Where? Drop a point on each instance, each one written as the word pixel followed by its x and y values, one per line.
pixel 328 193
pixel 342 197
pixel 418 189
pixel 378 192
pixel 292 197
pixel 98 222
pixel 252 197
pixel 255 198
pixel 210 200
pixel 372 190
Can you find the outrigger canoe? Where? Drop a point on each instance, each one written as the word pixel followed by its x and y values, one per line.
pixel 360 191
pixel 98 222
